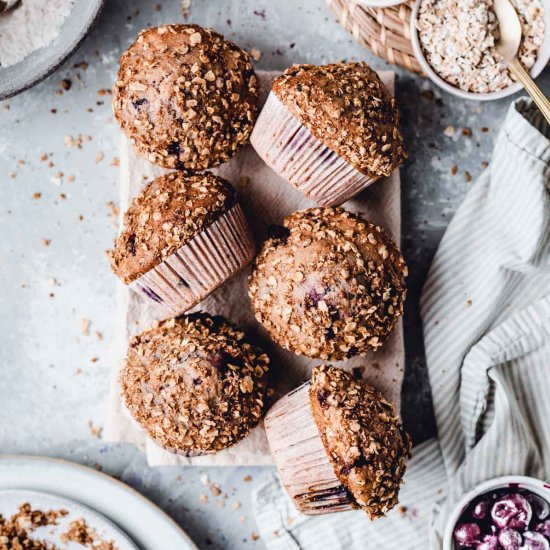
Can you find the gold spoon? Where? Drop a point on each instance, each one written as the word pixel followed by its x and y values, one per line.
pixel 508 46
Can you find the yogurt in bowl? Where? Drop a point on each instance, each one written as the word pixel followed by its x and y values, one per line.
pixel 505 513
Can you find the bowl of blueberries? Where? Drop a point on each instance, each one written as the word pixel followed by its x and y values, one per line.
pixel 505 513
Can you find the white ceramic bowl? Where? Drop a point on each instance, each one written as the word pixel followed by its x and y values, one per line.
pixel 379 3
pixel 44 61
pixel 542 61
pixel 536 486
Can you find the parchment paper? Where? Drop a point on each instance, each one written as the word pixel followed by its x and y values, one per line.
pixel 266 199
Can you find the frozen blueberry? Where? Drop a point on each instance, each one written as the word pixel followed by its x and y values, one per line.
pixel 489 542
pixel 467 534
pixel 481 509
pixel 534 541
pixel 509 539
pixel 541 508
pixel 543 528
pixel 513 511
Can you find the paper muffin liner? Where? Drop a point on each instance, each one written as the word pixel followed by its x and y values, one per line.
pixel 290 149
pixel 301 458
pixel 201 265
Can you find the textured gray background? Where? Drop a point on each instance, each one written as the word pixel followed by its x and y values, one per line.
pixel 54 378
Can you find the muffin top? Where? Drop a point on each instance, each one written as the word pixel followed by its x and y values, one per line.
pixel 328 284
pixel 363 438
pixel 195 384
pixel 167 214
pixel 186 96
pixel 348 108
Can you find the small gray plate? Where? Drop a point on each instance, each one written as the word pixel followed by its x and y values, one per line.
pixel 41 63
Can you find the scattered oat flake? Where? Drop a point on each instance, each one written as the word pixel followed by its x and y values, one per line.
pixel 114 211
pixel 454 169
pixel 46 242
pixel 186 8
pixel 467 132
pixel 254 536
pixel 449 131
pixel 247 478
pixel 51 281
pixel 205 480
pixel 235 505
pixel 15 531
pixel 95 430
pixel 66 84
pixel 85 327
pixel 80 532
pixel 78 141
pixel 100 156
pixel 203 498
pixel 115 161
pixel 36 195
pixel 215 489
pixel 467 176
pixel 256 54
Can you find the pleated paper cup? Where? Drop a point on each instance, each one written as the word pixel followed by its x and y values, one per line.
pixel 201 265
pixel 301 458
pixel 291 150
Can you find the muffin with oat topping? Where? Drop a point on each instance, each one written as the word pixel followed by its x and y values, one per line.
pixel 183 237
pixel 185 96
pixel 328 284
pixel 338 445
pixel 330 130
pixel 195 384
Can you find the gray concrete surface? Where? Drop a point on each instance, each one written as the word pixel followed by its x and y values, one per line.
pixel 53 372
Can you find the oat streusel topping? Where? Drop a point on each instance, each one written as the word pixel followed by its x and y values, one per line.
pixel 16 531
pixel 363 437
pixel 83 534
pixel 168 213
pixel 348 108
pixel 185 96
pixel 328 284
pixel 195 384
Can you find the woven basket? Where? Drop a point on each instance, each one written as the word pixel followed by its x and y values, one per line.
pixel 385 31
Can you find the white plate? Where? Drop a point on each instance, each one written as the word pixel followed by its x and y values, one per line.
pixel 146 524
pixel 12 499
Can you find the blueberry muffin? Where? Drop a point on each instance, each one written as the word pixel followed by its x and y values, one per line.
pixel 182 238
pixel 330 130
pixel 185 96
pixel 195 384
pixel 328 284
pixel 338 445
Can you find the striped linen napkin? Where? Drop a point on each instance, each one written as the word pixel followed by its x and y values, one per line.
pixel 486 313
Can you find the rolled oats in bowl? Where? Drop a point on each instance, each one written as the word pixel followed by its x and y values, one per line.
pixel 458 39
